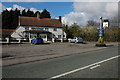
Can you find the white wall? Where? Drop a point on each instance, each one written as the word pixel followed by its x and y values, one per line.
pixel 56 33
pixel 50 29
pixel 17 33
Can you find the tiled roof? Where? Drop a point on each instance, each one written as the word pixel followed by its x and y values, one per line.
pixel 34 21
pixel 6 32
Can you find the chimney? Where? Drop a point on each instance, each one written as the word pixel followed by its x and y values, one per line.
pixel 60 19
pixel 38 15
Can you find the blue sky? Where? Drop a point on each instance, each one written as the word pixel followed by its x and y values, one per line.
pixel 55 8
pixel 71 12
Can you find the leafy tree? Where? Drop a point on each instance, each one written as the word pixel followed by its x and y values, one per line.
pixel 91 33
pixel 75 29
pixel 45 14
pixel 6 19
pixel 30 13
pixel 10 19
pixel 15 15
pixel 112 34
pixel 67 31
pixel 24 13
pixel 87 33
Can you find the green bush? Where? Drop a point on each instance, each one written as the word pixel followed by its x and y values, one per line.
pixel 91 33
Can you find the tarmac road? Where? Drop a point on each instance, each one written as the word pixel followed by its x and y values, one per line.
pixel 58 66
pixel 108 69
pixel 22 53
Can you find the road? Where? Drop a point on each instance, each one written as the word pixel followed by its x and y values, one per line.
pixel 95 64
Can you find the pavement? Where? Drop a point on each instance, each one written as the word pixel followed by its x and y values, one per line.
pixel 23 53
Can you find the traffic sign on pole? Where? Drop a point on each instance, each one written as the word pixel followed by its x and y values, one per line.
pixel 100 33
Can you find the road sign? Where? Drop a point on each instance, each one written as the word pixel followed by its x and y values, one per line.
pixel 100 33
pixel 98 27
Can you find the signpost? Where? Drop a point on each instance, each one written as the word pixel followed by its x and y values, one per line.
pixel 104 24
pixel 100 33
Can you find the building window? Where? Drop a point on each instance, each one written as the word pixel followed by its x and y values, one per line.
pixel 33 35
pixel 27 35
pixel 46 29
pixel 59 36
pixel 37 28
pixel 43 35
pixel 54 29
pixel 26 28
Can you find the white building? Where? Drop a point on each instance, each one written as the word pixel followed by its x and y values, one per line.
pixel 48 29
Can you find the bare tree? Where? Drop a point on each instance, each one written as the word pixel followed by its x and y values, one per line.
pixel 114 21
pixel 92 23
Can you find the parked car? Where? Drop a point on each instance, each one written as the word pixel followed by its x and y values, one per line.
pixel 37 40
pixel 76 40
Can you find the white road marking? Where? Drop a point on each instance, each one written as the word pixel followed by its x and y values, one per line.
pixel 66 73
pixel 94 67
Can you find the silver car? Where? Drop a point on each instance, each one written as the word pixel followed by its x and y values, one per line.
pixel 76 40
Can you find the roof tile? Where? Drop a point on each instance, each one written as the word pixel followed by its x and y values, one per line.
pixel 34 21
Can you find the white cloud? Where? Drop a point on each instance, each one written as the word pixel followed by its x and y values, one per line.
pixel 9 8
pixel 18 7
pixel 95 0
pixel 22 8
pixel 34 10
pixel 75 17
pixel 84 11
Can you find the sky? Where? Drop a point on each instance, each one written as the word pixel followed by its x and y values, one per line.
pixel 71 11
pixel 55 8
